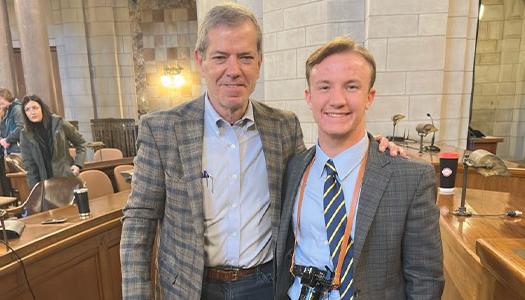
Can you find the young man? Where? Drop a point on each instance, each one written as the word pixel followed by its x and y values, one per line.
pixel 355 222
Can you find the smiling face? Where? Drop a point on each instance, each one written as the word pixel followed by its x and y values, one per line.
pixel 33 111
pixel 338 94
pixel 231 68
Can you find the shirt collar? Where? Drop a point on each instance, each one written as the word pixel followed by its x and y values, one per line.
pixel 345 162
pixel 213 119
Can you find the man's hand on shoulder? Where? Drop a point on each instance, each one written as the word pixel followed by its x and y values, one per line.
pixel 384 144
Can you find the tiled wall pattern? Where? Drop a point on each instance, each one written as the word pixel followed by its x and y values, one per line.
pixel 499 100
pixel 168 31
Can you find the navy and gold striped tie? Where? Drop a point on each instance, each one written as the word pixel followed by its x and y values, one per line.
pixel 335 221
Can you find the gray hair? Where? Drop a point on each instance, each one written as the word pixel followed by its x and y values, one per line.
pixel 229 14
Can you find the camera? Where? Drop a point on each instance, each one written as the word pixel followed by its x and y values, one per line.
pixel 315 283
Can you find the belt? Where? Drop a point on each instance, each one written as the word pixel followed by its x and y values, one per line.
pixel 232 274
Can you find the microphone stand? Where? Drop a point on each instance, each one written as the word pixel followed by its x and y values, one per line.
pixel 432 147
pixel 462 211
pixel 3 213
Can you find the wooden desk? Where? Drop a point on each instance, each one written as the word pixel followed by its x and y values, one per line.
pixel 470 272
pixel 513 184
pixel 78 259
pixel 489 143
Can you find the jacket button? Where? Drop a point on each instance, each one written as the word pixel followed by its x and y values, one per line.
pixel 356 293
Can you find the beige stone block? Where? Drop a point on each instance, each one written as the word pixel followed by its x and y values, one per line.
pixel 77 60
pixel 504 115
pixel 123 28
pixel 451 129
pixel 302 55
pixel 455 55
pixel 471 28
pixel 432 24
pixel 101 59
pixel 413 53
pixel 280 65
pixel 512 28
pixel 302 15
pixel 392 26
pixel 272 5
pixel 453 82
pixel 424 82
pixel 101 29
pixel 122 14
pixel 510 44
pixel 301 109
pixel 384 107
pixel 79 86
pixel 502 128
pixel 72 15
pixel 73 30
pixel 484 102
pixel 487 46
pixel 390 83
pixel 355 30
pixel 75 72
pixel 487 73
pixel 378 47
pixel 75 45
pixel 270 42
pixel 510 57
pixel 273 21
pixel 457 27
pixel 291 39
pixel 483 31
pixel 495 30
pixel 102 44
pixel 507 88
pixel 104 14
pixel 345 10
pixel 458 8
pixel 182 27
pixel 493 12
pixel 508 73
pixel 288 89
pixel 489 89
pixel 419 106
pixel 452 105
pixel 489 59
pixel 384 128
pixel 322 33
pixel 393 7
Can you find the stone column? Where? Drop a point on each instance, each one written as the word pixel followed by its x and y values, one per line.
pixel 34 45
pixel 7 65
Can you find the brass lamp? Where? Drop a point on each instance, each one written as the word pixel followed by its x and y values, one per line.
pixel 485 163
pixel 172 77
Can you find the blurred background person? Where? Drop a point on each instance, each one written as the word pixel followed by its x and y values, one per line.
pixel 11 124
pixel 45 142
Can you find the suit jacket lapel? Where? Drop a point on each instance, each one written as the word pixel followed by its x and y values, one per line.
pixel 375 180
pixel 189 139
pixel 270 131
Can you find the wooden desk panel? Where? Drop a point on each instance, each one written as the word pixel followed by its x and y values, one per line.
pixel 466 275
pixel 78 259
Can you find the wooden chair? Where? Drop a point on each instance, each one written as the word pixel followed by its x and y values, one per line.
pixel 107 154
pixel 48 194
pixel 97 182
pixel 122 183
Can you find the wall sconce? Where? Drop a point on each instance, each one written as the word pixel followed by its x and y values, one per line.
pixel 172 77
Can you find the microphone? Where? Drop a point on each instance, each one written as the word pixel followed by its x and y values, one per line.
pixel 432 147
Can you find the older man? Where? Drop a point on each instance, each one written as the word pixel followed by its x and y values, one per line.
pixel 208 177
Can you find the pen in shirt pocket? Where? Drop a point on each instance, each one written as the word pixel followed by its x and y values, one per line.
pixel 209 180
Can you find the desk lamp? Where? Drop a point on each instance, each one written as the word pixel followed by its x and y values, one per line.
pixel 423 130
pixel 395 119
pixel 485 163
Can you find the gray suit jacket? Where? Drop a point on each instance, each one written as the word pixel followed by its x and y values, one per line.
pixel 167 195
pixel 397 252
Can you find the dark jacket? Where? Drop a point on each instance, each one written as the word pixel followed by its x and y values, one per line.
pixel 63 134
pixel 11 125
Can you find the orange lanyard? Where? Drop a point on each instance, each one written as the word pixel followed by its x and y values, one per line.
pixel 349 220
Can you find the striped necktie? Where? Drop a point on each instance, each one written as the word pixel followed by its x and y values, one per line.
pixel 335 221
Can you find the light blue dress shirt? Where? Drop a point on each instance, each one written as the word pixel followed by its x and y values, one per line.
pixel 312 247
pixel 237 222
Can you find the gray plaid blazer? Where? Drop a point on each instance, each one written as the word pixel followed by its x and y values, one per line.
pixel 167 195
pixel 397 247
